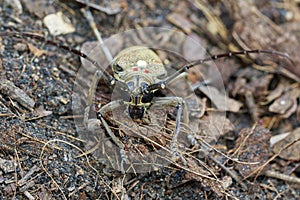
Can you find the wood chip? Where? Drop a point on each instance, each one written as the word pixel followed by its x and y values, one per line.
pixel 8 88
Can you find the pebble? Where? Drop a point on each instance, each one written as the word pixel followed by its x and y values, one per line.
pixel 58 24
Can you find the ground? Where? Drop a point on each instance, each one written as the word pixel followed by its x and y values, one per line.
pixel 244 131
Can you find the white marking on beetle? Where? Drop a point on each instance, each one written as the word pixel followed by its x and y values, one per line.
pixel 141 63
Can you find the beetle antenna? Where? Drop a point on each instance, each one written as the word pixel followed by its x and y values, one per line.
pixel 162 84
pixel 245 52
pixel 108 78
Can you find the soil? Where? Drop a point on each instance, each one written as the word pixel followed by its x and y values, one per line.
pixel 244 146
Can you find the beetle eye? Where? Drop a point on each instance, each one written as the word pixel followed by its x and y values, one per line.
pixel 144 85
pixel 147 98
pixel 130 85
pixel 118 68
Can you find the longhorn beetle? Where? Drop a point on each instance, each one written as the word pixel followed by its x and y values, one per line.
pixel 138 71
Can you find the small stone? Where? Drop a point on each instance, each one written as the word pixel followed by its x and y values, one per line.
pixel 20 47
pixel 58 24
pixel 7 165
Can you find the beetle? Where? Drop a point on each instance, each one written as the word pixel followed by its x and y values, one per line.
pixel 138 72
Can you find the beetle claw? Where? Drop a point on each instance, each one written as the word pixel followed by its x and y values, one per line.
pixel 178 156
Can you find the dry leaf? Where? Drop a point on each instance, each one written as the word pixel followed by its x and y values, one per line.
pixel 298 114
pixel 36 51
pixel 214 125
pixel 151 125
pixel 194 47
pixel 39 8
pixel 274 94
pixel 286 105
pixel 181 22
pixel 41 112
pixel 221 101
pixel 292 152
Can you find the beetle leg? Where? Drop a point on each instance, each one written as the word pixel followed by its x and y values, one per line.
pixel 179 103
pixel 95 123
pixel 108 107
pixel 176 132
pixel 98 74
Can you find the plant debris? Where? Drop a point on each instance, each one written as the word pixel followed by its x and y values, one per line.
pixel 242 140
pixel 292 152
pixel 252 147
pixel 9 89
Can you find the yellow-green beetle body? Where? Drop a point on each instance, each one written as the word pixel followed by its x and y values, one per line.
pixel 138 60
pixel 137 67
